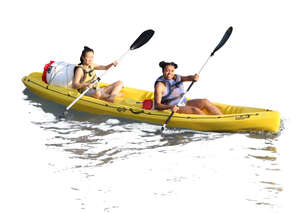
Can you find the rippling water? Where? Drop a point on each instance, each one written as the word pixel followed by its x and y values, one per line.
pixel 119 165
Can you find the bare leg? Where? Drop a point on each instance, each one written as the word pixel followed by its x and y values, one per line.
pixel 190 110
pixel 113 90
pixel 204 104
pixel 97 94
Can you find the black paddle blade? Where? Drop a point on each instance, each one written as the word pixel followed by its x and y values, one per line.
pixel 142 39
pixel 223 41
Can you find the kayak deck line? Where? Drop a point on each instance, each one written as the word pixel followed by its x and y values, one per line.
pixel 234 119
pixel 123 109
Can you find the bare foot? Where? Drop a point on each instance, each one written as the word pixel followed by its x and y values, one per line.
pixel 110 98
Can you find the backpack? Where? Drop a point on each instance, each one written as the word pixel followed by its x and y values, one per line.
pixel 59 73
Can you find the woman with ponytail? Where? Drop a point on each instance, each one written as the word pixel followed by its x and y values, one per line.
pixel 84 76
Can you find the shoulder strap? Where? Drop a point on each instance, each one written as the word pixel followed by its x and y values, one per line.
pixel 85 72
pixel 177 84
pixel 178 81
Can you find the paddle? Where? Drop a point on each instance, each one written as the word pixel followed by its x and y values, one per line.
pixel 140 41
pixel 221 43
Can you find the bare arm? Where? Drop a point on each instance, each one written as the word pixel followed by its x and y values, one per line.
pixel 159 90
pixel 190 78
pixel 102 67
pixel 76 81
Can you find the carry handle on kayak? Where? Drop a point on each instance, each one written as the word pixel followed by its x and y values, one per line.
pixel 140 41
pixel 221 43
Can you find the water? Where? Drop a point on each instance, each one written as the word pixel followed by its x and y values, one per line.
pixel 90 163
pixel 109 164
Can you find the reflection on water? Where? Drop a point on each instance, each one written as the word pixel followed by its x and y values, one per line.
pixel 94 144
pixel 266 170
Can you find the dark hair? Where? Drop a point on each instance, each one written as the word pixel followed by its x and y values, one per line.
pixel 163 64
pixel 84 51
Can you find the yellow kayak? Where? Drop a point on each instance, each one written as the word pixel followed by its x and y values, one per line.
pixel 234 118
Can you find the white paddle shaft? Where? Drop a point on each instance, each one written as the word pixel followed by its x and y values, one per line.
pixel 182 98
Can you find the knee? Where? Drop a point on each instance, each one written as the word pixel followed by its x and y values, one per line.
pixel 97 94
pixel 120 83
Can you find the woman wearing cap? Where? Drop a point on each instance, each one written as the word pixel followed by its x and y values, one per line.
pixel 84 76
pixel 169 90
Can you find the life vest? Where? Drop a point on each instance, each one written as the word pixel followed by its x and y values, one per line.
pixel 89 75
pixel 59 73
pixel 174 90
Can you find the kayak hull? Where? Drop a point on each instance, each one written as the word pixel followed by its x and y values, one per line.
pixel 234 118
